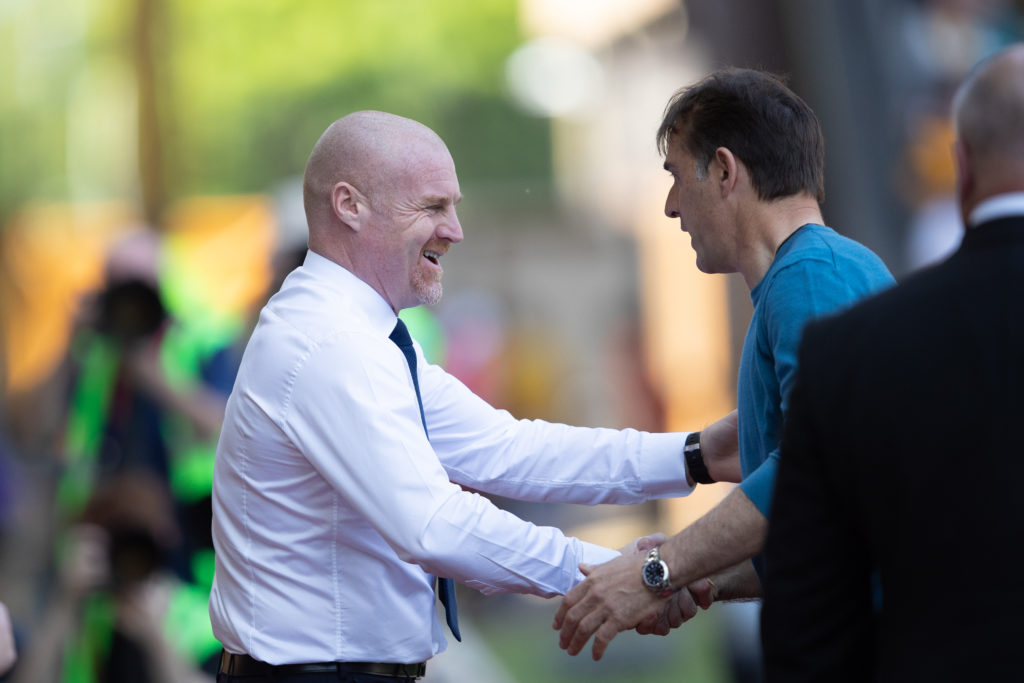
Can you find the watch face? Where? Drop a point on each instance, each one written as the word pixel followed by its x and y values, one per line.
pixel 654 573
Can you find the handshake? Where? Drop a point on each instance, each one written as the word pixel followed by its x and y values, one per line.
pixel 615 597
pixel 589 609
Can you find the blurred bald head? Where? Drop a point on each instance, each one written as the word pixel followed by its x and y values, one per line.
pixel 987 112
pixel 368 150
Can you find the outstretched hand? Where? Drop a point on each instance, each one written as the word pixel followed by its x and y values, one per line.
pixel 612 599
pixel 679 609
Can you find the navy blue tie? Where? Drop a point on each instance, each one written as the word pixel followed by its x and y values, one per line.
pixel 445 587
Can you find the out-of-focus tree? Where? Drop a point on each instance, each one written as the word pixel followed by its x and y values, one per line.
pixel 230 95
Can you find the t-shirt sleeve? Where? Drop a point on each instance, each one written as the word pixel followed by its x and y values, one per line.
pixel 802 291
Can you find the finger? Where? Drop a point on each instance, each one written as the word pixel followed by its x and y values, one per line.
pixel 665 617
pixel 578 631
pixel 712 593
pixel 704 592
pixel 603 637
pixel 674 614
pixel 568 622
pixel 570 600
pixel 661 623
pixel 686 604
pixel 649 625
pixel 560 616
pixel 586 569
pixel 645 543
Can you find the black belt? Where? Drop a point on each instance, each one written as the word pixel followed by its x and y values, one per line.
pixel 244 665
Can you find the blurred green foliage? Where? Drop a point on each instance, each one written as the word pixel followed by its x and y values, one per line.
pixel 243 89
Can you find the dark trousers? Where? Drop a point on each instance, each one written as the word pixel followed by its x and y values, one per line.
pixel 314 678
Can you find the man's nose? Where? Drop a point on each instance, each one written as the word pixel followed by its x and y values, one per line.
pixel 451 229
pixel 671 206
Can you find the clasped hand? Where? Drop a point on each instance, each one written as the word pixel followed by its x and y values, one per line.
pixel 613 598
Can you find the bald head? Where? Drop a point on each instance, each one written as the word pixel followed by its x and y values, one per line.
pixel 987 112
pixel 989 106
pixel 367 149
pixel 380 194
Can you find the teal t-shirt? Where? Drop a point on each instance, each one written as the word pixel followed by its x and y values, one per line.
pixel 815 272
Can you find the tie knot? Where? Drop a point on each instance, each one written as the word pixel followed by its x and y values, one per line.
pixel 400 335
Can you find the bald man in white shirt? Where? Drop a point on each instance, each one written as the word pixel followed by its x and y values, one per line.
pixel 337 493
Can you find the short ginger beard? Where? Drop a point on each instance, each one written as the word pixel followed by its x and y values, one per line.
pixel 428 291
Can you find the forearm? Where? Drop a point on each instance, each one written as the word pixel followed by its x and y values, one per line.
pixel 534 460
pixel 719 443
pixel 499 553
pixel 739 582
pixel 731 533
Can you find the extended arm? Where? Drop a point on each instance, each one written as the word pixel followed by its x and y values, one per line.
pixel 719 444
pixel 488 450
pixel 614 599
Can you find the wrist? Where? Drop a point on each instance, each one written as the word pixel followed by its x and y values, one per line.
pixel 694 455
pixel 655 574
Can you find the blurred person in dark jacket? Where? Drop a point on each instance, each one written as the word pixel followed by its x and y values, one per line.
pixel 891 554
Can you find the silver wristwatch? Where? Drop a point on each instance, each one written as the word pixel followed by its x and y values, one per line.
pixel 654 572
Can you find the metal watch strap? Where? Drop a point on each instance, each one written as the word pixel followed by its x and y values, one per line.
pixel 695 459
pixel 654 566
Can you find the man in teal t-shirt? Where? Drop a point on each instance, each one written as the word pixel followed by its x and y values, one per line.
pixel 815 272
pixel 746 157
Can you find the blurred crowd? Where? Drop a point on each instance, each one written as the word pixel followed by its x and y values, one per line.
pixel 112 532
pixel 939 41
pixel 125 558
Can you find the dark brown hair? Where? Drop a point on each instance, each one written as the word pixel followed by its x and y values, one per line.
pixel 757 118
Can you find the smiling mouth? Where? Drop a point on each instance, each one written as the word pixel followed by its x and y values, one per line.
pixel 432 256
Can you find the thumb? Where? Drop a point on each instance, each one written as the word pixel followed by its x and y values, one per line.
pixel 645 543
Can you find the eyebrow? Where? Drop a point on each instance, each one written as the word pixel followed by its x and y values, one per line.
pixel 442 199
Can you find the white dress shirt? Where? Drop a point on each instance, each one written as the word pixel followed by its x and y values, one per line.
pixel 332 512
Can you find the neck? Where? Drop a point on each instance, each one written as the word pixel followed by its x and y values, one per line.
pixel 766 226
pixel 980 179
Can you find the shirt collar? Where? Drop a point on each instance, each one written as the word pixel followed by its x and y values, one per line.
pixel 999 206
pixel 357 292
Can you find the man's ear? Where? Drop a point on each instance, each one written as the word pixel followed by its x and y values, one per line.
pixel 348 204
pixel 724 170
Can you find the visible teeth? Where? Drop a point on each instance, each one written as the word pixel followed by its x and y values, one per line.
pixel 432 255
